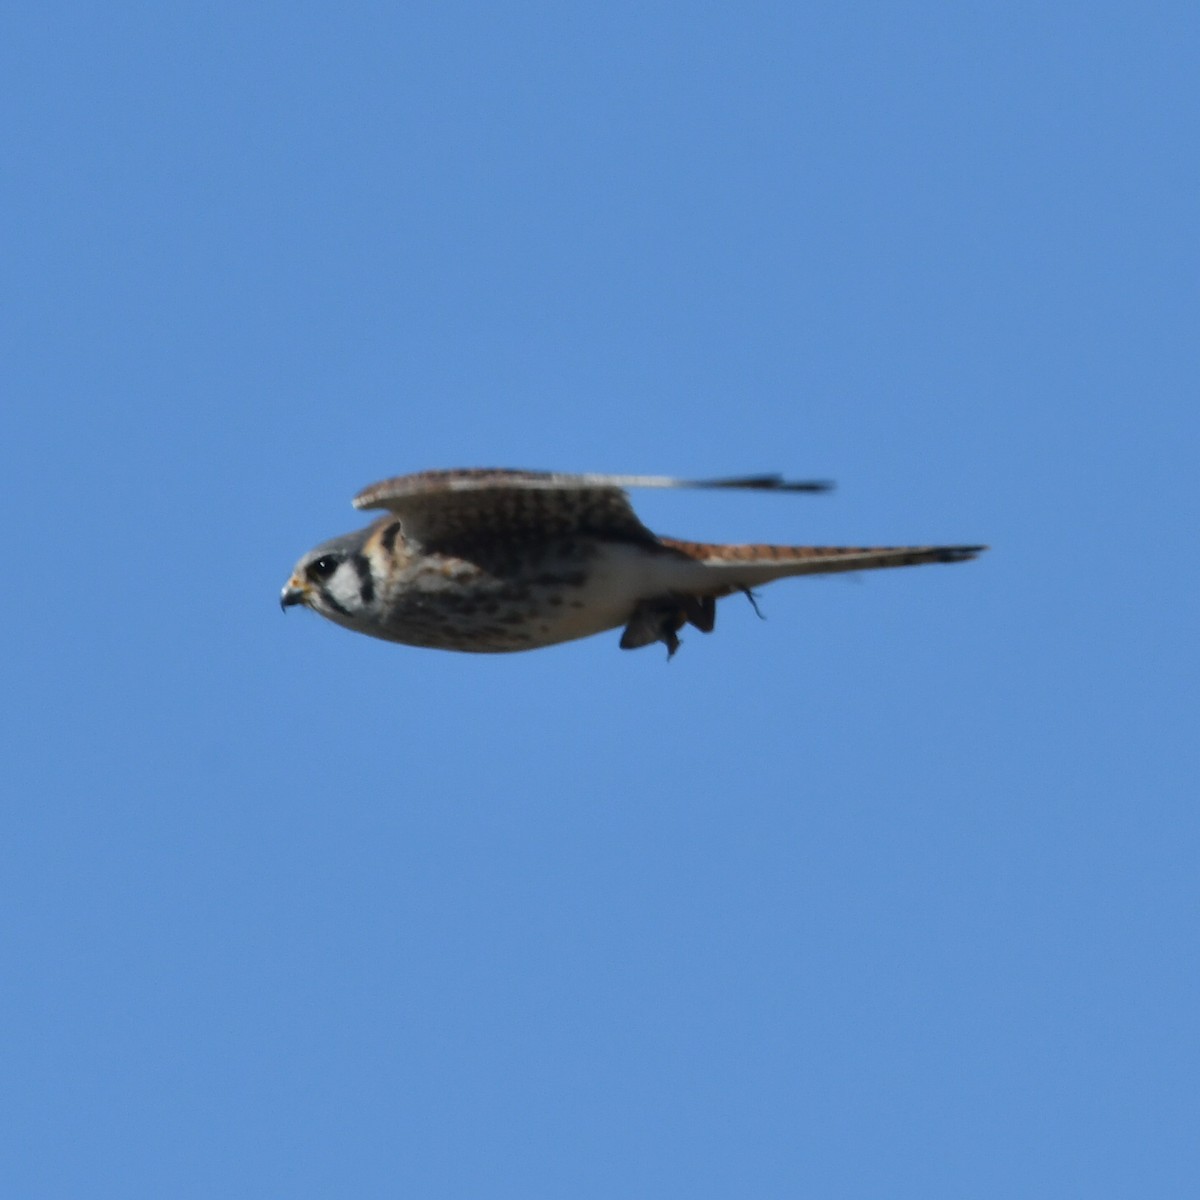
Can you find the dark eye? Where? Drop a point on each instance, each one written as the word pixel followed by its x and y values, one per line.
pixel 323 567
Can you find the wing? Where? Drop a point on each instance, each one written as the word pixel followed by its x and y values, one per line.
pixel 441 506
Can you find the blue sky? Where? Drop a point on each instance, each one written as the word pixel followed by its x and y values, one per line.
pixel 892 894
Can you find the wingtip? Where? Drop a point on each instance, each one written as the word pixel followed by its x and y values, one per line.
pixel 770 483
pixel 368 497
pixel 955 554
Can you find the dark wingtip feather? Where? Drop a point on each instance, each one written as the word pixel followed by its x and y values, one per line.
pixel 953 554
pixel 770 483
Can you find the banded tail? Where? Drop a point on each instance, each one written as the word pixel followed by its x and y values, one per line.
pixel 747 565
pixel 738 568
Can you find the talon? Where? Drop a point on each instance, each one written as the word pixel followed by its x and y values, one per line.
pixel 655 621
pixel 753 602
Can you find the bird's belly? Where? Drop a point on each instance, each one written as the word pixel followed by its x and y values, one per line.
pixel 464 607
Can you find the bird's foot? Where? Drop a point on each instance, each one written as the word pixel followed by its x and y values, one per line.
pixel 753 598
pixel 661 619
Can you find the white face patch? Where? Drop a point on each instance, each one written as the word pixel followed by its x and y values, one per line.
pixel 345 586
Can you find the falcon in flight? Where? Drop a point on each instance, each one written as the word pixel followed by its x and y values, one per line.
pixel 494 560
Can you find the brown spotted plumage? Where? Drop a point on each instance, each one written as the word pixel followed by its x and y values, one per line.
pixel 495 560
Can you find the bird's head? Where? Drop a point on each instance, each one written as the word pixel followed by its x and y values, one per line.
pixel 336 580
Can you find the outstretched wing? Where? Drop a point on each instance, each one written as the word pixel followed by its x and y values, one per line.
pixel 441 506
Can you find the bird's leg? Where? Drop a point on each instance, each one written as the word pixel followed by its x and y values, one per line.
pixel 654 621
pixel 661 619
pixel 670 639
pixel 753 602
pixel 701 611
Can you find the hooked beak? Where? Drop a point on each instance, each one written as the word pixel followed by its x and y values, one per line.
pixel 293 593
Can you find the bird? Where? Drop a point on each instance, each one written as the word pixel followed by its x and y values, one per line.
pixel 489 560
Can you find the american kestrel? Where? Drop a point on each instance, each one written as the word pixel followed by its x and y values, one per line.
pixel 495 560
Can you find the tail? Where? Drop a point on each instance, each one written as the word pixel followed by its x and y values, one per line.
pixel 748 566
pixel 726 569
